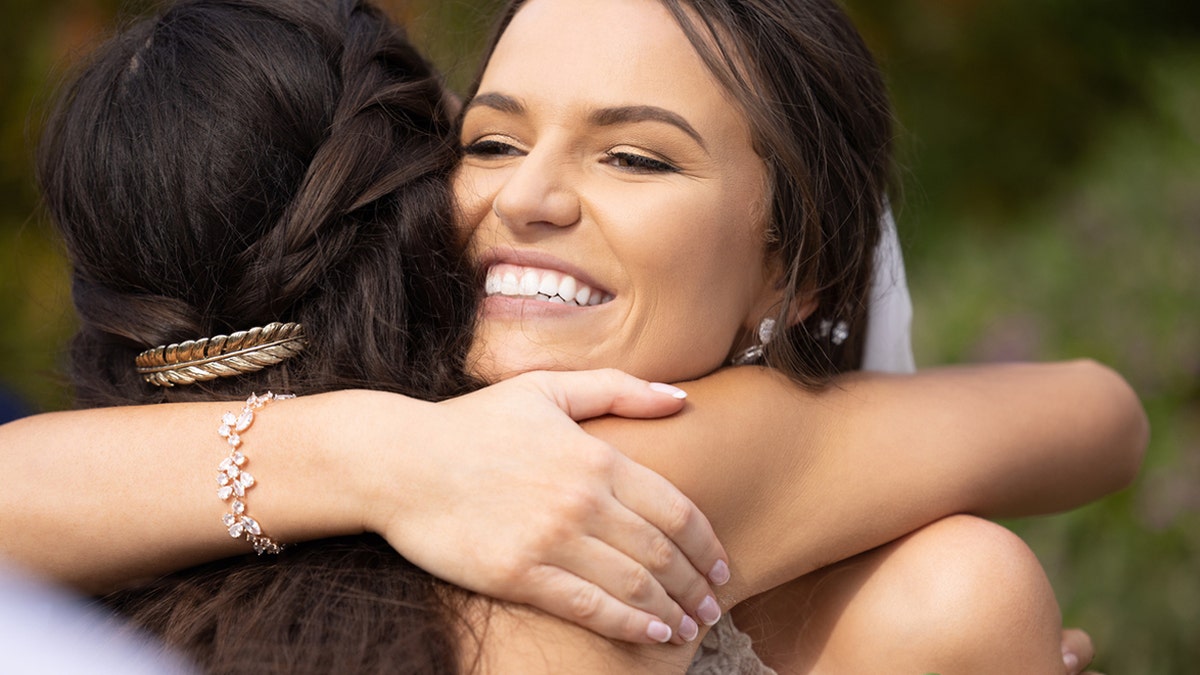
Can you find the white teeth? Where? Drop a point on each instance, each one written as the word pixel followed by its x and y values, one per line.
pixel 549 284
pixel 530 283
pixel 509 284
pixel 567 287
pixel 583 295
pixel 538 284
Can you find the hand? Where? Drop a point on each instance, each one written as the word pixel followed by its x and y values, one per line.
pixel 513 500
pixel 1077 651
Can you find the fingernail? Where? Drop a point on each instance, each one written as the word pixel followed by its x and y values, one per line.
pixel 688 630
pixel 1070 661
pixel 709 611
pixel 658 631
pixel 719 574
pixel 672 391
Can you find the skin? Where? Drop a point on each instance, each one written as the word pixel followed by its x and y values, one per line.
pixel 620 162
pixel 392 474
pixel 626 177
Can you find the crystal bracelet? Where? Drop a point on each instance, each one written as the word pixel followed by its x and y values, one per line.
pixel 234 481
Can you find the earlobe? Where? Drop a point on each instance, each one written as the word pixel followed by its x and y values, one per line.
pixel 774 295
pixel 802 309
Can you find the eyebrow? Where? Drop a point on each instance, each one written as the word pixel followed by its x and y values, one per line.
pixel 644 113
pixel 605 117
pixel 500 102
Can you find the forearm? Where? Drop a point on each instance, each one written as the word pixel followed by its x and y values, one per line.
pixel 107 495
pixel 1010 440
pixel 825 476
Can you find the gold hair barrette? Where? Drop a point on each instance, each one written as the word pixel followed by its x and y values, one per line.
pixel 206 359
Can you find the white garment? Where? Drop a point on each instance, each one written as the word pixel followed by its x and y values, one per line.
pixel 888 346
pixel 46 630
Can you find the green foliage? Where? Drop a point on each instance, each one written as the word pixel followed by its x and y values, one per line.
pixel 1107 268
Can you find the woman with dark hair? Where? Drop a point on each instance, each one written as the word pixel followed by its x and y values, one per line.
pixel 725 183
pixel 239 164
pixel 304 219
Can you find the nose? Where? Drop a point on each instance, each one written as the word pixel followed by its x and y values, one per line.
pixel 540 192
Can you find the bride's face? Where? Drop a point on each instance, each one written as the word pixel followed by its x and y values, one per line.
pixel 612 191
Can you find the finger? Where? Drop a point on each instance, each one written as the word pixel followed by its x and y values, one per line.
pixel 573 599
pixel 592 393
pixel 1077 649
pixel 627 581
pixel 654 552
pixel 661 504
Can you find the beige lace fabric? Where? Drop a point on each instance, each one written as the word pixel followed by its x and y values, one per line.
pixel 727 651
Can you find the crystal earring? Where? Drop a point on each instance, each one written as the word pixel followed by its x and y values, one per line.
pixel 836 332
pixel 766 330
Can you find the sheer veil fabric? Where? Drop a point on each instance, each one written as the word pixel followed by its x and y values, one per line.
pixel 889 317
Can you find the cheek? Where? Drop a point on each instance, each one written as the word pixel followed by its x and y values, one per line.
pixel 697 271
pixel 472 199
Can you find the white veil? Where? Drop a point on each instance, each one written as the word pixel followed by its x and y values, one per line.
pixel 888 345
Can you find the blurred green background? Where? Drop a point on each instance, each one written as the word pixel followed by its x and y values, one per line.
pixel 1050 155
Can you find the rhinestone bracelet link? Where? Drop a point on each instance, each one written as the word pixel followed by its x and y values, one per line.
pixel 234 481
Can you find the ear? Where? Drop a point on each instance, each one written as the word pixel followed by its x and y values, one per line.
pixel 803 307
pixel 772 295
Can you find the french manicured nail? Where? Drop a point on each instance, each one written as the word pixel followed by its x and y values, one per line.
pixel 719 574
pixel 672 391
pixel 658 631
pixel 709 611
pixel 688 630
pixel 1070 661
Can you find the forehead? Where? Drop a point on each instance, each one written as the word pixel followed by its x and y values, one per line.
pixel 609 52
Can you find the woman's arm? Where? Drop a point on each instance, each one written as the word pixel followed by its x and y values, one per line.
pixel 498 491
pixel 825 476
pixel 767 461
pixel 793 480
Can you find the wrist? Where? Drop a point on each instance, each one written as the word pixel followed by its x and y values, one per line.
pixel 307 482
pixel 376 452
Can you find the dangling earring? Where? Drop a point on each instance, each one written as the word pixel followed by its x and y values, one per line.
pixel 766 331
pixel 840 331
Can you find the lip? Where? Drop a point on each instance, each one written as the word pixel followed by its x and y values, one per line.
pixel 518 309
pixel 540 259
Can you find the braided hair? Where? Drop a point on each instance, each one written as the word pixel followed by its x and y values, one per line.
pixel 232 163
pixel 239 162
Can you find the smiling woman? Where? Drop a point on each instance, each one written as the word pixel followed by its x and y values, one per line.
pixel 706 184
pixel 641 182
pixel 636 165
pixel 637 177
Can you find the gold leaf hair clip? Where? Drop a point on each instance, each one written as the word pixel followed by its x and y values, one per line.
pixel 206 359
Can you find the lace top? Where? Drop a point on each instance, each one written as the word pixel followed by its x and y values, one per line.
pixel 727 651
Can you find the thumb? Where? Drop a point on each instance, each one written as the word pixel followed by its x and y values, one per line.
pixel 586 394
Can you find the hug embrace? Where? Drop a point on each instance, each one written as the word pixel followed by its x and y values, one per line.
pixel 467 312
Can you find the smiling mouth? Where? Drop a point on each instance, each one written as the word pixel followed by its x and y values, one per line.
pixel 540 285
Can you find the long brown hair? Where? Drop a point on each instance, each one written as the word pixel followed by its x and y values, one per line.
pixel 821 120
pixel 236 162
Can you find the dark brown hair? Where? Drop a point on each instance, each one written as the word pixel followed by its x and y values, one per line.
pixel 236 162
pixel 821 120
